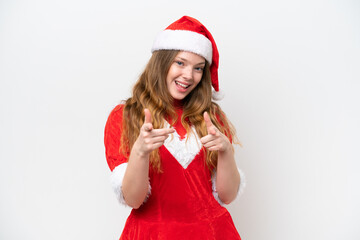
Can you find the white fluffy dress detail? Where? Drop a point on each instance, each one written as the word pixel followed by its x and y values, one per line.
pixel 116 179
pixel 183 150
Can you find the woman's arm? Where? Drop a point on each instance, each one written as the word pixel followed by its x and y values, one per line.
pixel 227 174
pixel 135 185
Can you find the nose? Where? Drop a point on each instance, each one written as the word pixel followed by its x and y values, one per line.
pixel 188 73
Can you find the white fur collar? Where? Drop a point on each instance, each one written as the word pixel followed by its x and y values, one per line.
pixel 183 150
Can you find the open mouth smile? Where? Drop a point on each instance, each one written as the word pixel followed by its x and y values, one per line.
pixel 182 85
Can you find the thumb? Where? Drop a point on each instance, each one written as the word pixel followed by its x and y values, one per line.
pixel 148 118
pixel 209 124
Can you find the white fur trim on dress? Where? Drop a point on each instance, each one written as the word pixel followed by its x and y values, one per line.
pixel 183 150
pixel 242 186
pixel 184 40
pixel 116 179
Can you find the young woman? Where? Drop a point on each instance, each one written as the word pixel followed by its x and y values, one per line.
pixel 169 146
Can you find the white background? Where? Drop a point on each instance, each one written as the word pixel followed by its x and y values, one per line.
pixel 290 73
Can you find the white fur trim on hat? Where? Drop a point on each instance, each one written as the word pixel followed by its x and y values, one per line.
pixel 116 179
pixel 242 186
pixel 184 40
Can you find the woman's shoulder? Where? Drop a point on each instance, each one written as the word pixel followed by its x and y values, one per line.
pixel 118 109
pixel 112 136
pixel 115 117
pixel 117 112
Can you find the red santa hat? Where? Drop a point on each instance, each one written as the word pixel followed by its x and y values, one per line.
pixel 188 34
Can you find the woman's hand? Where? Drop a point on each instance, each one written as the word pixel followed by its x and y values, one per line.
pixel 215 140
pixel 149 138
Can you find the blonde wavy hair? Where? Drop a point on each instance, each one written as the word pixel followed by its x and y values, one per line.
pixel 151 92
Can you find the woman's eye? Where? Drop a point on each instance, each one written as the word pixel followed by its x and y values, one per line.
pixel 199 69
pixel 179 63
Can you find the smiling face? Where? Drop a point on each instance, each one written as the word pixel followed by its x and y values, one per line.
pixel 184 74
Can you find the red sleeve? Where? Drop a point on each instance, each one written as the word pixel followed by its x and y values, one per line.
pixel 112 136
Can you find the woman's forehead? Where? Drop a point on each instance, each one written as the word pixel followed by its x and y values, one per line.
pixel 191 57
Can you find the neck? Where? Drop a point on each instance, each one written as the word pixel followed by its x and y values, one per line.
pixel 178 103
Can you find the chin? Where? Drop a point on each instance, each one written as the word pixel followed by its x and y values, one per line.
pixel 179 98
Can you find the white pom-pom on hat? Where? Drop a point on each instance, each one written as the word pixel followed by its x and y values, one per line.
pixel 218 95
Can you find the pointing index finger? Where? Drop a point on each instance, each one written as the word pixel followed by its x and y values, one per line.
pixel 163 131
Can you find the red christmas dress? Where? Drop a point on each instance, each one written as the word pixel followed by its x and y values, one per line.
pixel 181 204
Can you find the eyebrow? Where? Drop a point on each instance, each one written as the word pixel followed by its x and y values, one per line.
pixel 185 60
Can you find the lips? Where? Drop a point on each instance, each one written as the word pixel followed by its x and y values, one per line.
pixel 181 84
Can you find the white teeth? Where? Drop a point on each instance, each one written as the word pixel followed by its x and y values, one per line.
pixel 183 85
